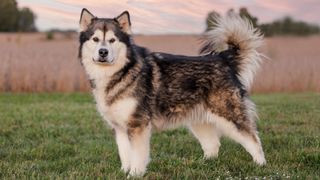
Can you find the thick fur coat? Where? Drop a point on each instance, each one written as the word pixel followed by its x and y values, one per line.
pixel 138 91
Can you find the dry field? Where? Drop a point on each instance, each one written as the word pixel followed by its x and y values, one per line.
pixel 31 63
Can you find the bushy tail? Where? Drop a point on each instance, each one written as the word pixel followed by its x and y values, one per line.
pixel 232 31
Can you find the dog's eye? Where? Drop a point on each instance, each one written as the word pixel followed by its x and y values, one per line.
pixel 112 40
pixel 95 39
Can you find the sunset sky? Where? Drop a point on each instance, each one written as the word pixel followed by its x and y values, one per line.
pixel 164 16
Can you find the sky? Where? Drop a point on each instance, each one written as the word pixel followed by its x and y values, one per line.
pixel 166 16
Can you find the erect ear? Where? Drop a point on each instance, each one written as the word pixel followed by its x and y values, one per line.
pixel 124 22
pixel 85 19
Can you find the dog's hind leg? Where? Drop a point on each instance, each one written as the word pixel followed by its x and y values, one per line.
pixel 140 149
pixel 124 147
pixel 209 138
pixel 235 118
pixel 249 140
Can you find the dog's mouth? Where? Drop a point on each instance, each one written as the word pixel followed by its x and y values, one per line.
pixel 104 61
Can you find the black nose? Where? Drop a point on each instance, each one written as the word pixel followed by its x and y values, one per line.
pixel 103 52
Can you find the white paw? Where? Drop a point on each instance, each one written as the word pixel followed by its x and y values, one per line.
pixel 135 172
pixel 125 168
pixel 210 154
pixel 260 160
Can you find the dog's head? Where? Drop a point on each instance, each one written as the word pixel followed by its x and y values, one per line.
pixel 104 41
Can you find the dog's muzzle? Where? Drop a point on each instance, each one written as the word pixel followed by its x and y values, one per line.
pixel 103 57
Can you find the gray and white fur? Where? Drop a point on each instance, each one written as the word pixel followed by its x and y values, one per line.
pixel 138 91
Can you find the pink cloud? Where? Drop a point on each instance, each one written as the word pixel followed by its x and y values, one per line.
pixel 162 16
pixel 274 5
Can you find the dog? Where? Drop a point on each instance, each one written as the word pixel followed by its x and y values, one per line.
pixel 137 91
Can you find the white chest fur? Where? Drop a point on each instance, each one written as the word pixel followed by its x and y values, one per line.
pixel 118 113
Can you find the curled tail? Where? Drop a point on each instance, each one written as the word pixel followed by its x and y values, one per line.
pixel 233 32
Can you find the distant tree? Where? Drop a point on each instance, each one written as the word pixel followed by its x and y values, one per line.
pixel 12 19
pixel 8 15
pixel 288 26
pixel 50 35
pixel 211 17
pixel 284 26
pixel 26 20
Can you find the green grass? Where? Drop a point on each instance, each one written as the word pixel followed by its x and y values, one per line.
pixel 62 136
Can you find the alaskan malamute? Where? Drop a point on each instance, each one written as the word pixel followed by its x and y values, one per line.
pixel 137 91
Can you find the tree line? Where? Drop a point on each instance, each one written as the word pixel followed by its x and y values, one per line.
pixel 14 19
pixel 284 26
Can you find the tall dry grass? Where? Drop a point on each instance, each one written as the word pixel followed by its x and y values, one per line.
pixel 31 63
pixel 294 65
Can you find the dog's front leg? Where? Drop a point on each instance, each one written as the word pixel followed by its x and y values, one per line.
pixel 124 147
pixel 140 147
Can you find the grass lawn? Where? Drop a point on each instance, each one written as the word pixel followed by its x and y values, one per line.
pixel 62 136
